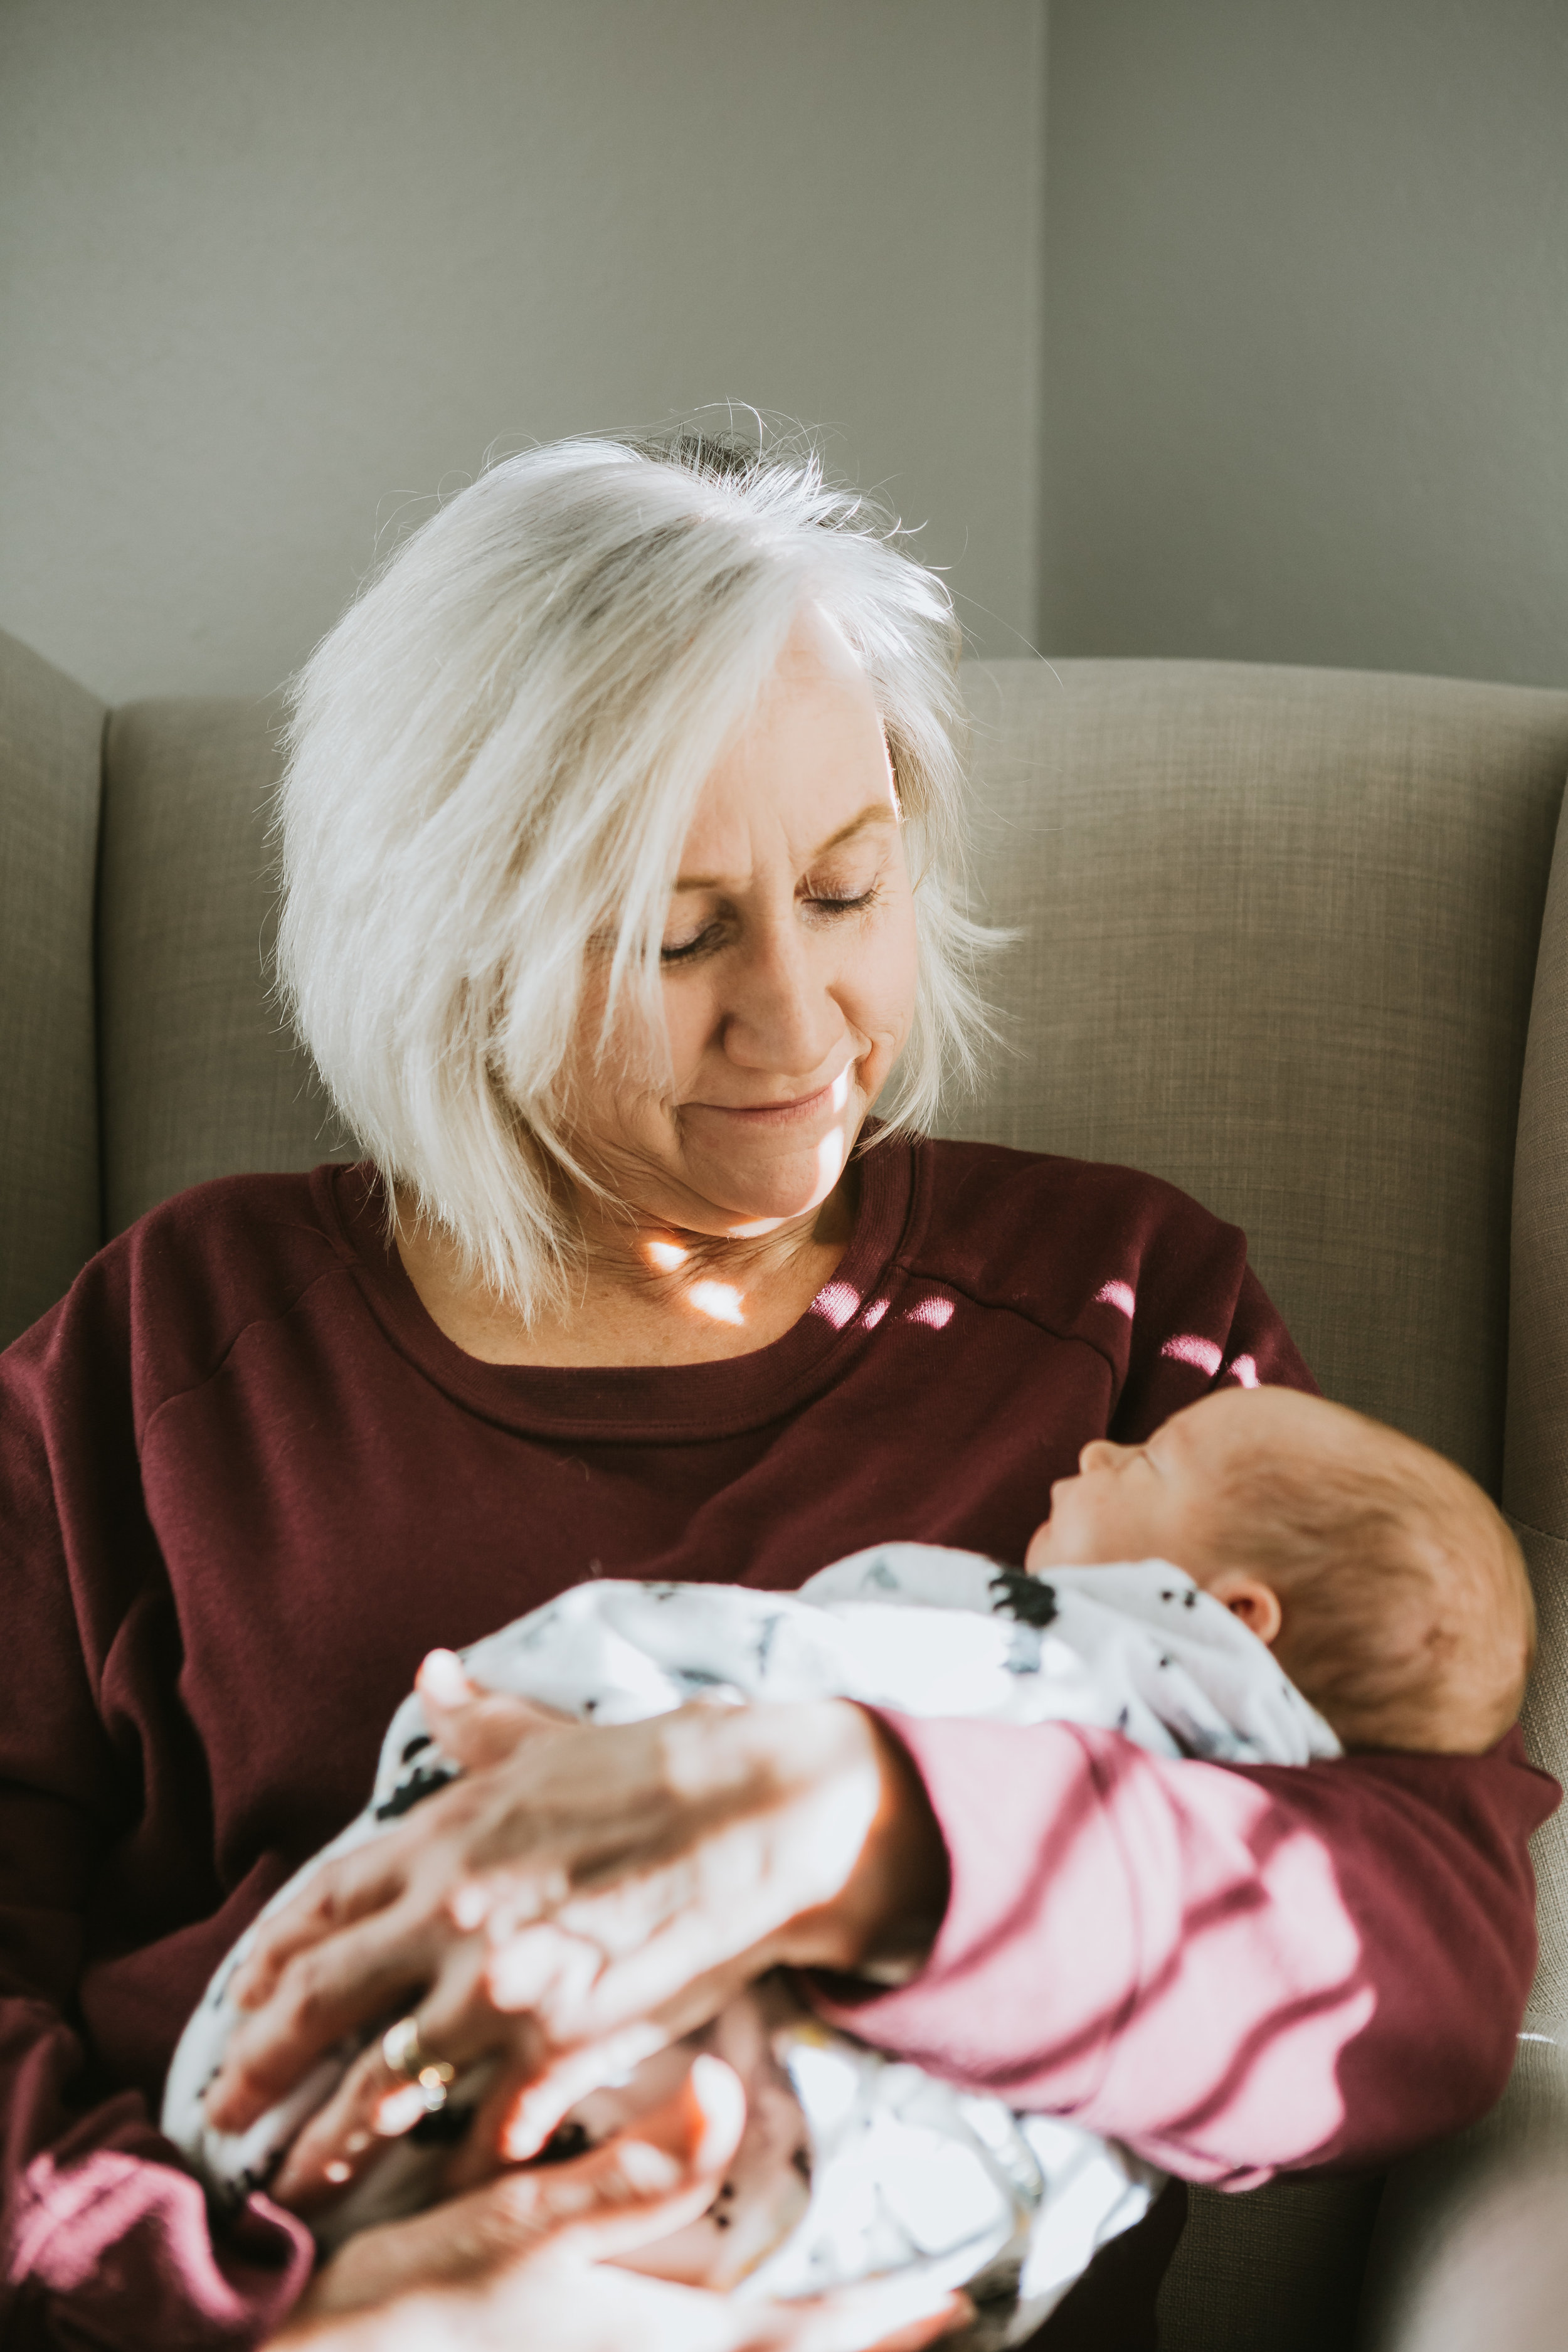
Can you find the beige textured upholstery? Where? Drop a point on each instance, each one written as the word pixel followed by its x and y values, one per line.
pixel 1427 2194
pixel 1281 939
pixel 1535 1461
pixel 1280 928
pixel 50 737
pixel 199 1077
pixel 1280 933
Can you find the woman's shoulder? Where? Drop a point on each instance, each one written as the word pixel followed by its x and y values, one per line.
pixel 1081 1246
pixel 167 1298
pixel 991 1202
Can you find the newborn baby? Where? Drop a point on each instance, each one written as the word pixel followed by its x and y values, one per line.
pixel 1386 1584
pixel 1266 1530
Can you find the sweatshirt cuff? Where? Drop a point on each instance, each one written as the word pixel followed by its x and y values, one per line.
pixel 129 2246
pixel 1036 1961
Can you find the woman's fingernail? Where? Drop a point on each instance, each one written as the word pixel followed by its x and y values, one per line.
pixel 720 2098
pixel 520 2137
pixel 442 1677
pixel 399 2111
pixel 647 2169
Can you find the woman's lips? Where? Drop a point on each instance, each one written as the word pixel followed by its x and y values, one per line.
pixel 832 1097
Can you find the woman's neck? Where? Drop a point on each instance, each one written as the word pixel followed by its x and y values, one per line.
pixel 647 1293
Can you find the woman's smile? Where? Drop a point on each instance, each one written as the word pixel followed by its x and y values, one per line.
pixel 796 1110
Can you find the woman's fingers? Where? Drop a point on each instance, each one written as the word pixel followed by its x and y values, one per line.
pixel 522 2260
pixel 324 1994
pixel 340 1894
pixel 626 2194
pixel 472 1725
pixel 608 1875
pixel 377 2102
pixel 894 2314
pixel 611 2202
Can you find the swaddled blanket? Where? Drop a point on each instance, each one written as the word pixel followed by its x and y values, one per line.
pixel 853 2164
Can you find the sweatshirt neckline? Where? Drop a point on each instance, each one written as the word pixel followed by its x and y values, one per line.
pixel 627 1403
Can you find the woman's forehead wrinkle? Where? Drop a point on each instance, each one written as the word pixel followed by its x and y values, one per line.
pixel 875 813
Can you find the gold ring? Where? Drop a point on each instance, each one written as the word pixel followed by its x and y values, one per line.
pixel 407 2058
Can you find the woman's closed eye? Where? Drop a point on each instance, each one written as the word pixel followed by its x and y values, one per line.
pixel 842 902
pixel 701 943
pixel 721 930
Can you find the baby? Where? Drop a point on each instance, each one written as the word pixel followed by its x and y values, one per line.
pixel 1386 1584
pixel 1267 1578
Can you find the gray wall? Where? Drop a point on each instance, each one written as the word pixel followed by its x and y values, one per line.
pixel 1305 365
pixel 1255 343
pixel 274 268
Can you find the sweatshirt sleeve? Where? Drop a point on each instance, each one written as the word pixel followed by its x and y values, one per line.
pixel 107 2238
pixel 1237 1972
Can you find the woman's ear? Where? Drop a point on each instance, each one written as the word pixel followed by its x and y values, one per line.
pixel 1248 1597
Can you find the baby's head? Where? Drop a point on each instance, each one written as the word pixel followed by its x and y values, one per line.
pixel 1389 1587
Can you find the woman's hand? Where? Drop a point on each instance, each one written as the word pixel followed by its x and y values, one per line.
pixel 576 1903
pixel 521 2263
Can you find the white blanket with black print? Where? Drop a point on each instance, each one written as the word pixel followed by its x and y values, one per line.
pixel 892 2168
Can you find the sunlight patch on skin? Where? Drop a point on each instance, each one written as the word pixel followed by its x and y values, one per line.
pixel 829 1160
pixel 720 1301
pixel 666 1255
pixel 1189 1348
pixel 399 2111
pixel 1117 1294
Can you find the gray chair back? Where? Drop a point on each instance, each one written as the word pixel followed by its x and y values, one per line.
pixel 1279 939
pixel 51 765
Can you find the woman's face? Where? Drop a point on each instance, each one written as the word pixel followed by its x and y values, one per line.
pixel 788 968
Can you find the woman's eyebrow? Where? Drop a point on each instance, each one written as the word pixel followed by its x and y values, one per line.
pixel 874 812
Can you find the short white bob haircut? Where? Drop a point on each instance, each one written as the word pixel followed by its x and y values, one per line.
pixel 494 758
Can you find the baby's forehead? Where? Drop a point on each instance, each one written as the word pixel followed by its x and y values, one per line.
pixel 1309 1447
pixel 1283 1425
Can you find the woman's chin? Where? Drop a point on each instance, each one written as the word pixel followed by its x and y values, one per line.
pixel 750 1216
pixel 741 1202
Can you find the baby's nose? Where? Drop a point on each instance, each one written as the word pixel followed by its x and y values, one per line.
pixel 1099 1453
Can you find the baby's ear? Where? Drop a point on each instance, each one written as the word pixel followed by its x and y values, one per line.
pixel 1256 1604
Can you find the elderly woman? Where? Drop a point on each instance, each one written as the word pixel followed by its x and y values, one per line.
pixel 622 844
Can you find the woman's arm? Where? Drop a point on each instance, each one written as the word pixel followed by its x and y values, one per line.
pixel 107 2239
pixel 104 2235
pixel 1237 1972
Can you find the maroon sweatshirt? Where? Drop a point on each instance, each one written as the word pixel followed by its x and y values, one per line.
pixel 245 1483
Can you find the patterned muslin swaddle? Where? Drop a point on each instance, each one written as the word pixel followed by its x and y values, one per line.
pixel 889 2169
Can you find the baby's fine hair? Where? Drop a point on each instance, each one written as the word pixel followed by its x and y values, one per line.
pixel 1409 1621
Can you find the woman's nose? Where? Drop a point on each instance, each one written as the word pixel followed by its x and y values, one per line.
pixel 781 1015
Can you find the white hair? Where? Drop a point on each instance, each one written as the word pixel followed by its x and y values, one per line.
pixel 494 757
